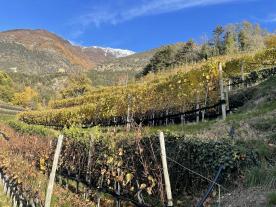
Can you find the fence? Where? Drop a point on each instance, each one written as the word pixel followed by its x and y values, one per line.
pixel 199 110
pixel 14 190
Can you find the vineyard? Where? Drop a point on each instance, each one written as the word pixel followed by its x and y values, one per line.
pixel 163 96
pixel 9 109
pixel 106 166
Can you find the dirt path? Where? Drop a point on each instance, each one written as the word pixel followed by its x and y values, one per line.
pixel 252 197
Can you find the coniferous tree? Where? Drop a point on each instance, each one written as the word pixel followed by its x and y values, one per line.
pixel 243 40
pixel 218 42
pixel 161 60
pixel 187 54
pixel 230 46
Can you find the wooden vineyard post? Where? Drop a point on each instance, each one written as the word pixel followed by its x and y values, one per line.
pixel 53 172
pixel 222 96
pixel 227 98
pixel 118 190
pixel 165 169
pixel 90 156
pixel 128 114
pixel 167 120
pixel 242 74
pixel 205 101
pixel 183 117
pixel 197 107
pixel 229 84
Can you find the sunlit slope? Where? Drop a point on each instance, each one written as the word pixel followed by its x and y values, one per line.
pixel 175 92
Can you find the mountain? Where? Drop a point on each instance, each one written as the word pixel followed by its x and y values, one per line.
pixel 40 51
pixel 108 52
pixel 134 62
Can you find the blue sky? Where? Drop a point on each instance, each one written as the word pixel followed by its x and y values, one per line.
pixel 133 24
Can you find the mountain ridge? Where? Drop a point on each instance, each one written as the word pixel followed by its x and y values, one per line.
pixel 41 51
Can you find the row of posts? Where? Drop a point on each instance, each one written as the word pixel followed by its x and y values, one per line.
pixel 224 97
pixel 118 203
pixel 12 190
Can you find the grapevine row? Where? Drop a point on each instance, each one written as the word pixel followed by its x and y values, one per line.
pixel 177 92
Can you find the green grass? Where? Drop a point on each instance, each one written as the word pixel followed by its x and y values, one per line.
pixel 260 110
pixel 248 111
pixel 271 138
pixel 255 106
pixel 261 176
pixel 6 117
pixel 271 199
pixel 259 146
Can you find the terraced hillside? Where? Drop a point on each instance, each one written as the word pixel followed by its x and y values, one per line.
pixel 244 143
pixel 173 93
pixel 9 109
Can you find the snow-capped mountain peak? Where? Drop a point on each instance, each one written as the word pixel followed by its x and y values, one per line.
pixel 115 52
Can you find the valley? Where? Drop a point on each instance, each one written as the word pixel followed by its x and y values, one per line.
pixel 210 107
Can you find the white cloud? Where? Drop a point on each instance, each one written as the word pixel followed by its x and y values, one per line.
pixel 109 15
pixel 272 18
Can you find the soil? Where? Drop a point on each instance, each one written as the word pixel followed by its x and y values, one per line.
pixel 251 197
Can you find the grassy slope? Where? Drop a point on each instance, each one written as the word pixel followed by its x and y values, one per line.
pixel 4 200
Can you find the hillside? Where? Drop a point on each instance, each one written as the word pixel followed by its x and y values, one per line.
pixel 40 51
pixel 116 128
pixel 244 143
pixel 135 62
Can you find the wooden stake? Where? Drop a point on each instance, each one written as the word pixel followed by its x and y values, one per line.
pixel 229 84
pixel 165 169
pixel 227 98
pixel 128 114
pixel 222 97
pixel 197 107
pixel 53 173
pixel 205 101
pixel 167 120
pixel 90 155
pixel 242 74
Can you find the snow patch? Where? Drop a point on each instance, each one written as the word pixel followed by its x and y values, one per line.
pixel 115 52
